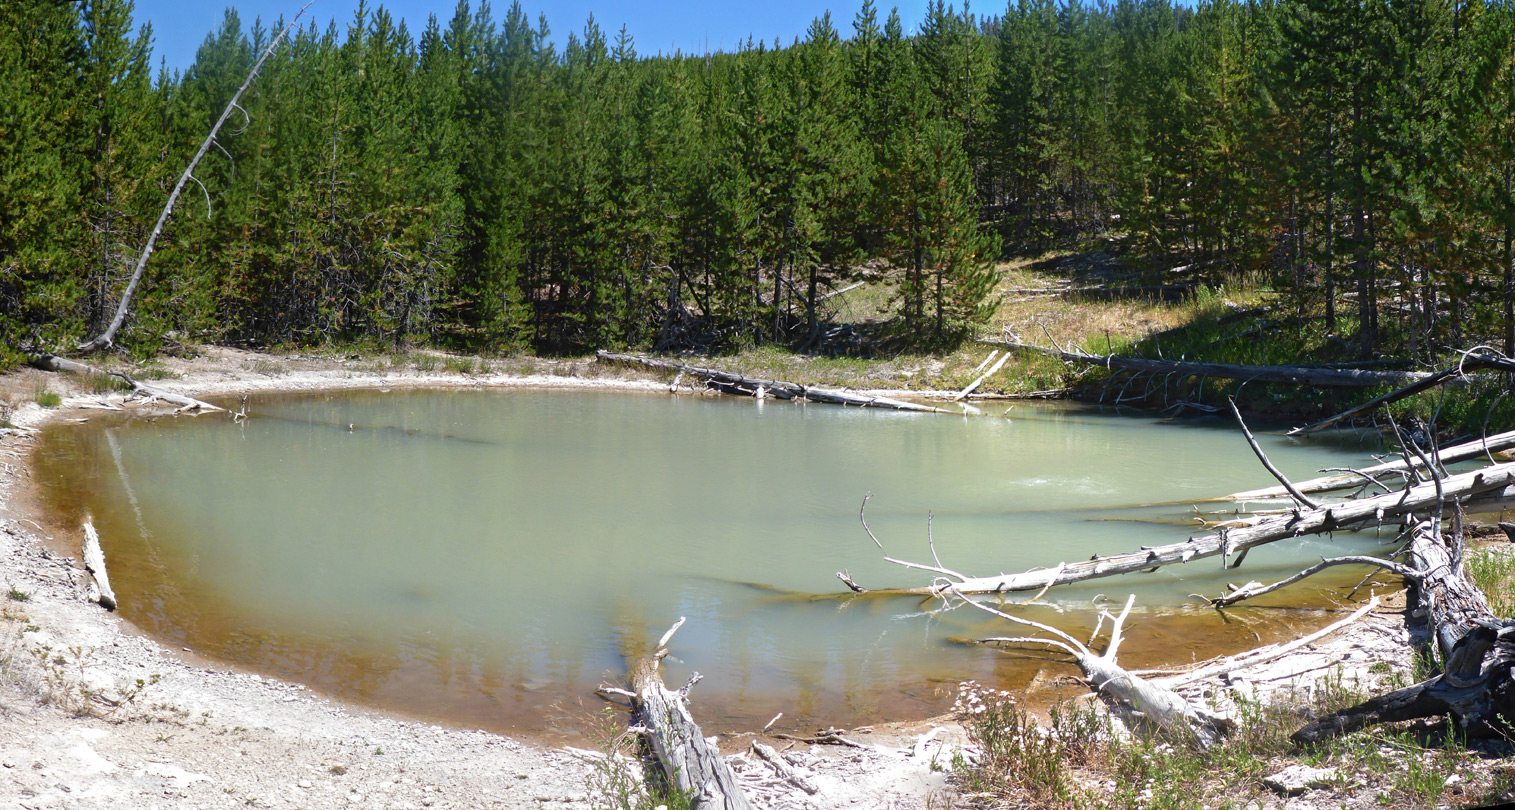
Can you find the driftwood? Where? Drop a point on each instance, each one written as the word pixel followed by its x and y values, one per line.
pixel 752 386
pixel 1295 375
pixel 1151 701
pixel 986 375
pixel 94 563
pixel 690 763
pixel 1487 489
pixel 51 362
pixel 1224 667
pixel 107 338
pixel 785 771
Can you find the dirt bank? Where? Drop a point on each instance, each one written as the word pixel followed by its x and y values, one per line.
pixel 188 732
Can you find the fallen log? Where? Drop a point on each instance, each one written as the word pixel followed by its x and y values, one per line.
pixel 94 563
pixel 1352 478
pixel 986 375
pixel 1469 362
pixel 1488 488
pixel 1294 375
pixel 1475 687
pixel 1151 701
pixel 690 763
pixel 752 386
pixel 52 362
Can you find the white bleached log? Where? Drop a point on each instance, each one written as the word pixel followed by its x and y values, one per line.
pixel 94 563
pixel 1488 488
pixel 691 764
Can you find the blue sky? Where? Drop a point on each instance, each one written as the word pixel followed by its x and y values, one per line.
pixel 179 26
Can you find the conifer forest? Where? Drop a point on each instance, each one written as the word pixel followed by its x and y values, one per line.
pixel 472 186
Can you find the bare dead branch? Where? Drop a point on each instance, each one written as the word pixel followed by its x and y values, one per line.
pixel 1298 496
pixel 1253 590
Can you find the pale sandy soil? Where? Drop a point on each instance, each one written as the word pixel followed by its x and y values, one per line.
pixel 202 735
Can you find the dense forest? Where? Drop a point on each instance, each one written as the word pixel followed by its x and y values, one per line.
pixel 473 186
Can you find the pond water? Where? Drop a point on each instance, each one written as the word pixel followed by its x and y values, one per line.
pixel 489 557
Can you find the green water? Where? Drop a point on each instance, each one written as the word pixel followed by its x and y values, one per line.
pixel 489 557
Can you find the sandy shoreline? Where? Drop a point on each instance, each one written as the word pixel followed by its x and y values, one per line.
pixel 202 735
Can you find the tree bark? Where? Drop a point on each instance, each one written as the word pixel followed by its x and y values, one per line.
pixel 691 764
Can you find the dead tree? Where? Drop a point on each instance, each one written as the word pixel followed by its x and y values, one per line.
pixel 1476 686
pixel 690 763
pixel 1294 375
pixel 1488 489
pixel 107 338
pixel 732 383
pixel 1477 651
pixel 50 362
pixel 1152 702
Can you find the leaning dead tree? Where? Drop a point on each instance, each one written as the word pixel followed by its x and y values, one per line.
pixel 690 764
pixel 107 338
pixel 732 383
pixel 1470 361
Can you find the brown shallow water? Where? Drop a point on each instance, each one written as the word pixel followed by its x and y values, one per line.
pixel 487 558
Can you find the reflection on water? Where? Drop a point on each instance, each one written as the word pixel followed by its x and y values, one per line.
pixel 489 557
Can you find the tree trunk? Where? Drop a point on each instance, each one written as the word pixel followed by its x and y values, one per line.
pixel 1293 375
pixel 94 563
pixel 1478 650
pixel 1489 488
pixel 108 337
pixel 690 763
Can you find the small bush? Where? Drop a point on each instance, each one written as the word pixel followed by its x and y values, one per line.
pixel 615 783
pixel 49 399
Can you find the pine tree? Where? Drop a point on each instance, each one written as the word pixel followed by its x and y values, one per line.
pixel 43 165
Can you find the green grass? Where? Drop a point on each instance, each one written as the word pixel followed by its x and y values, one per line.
pixel 49 399
pixel 1073 761
pixel 1492 569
